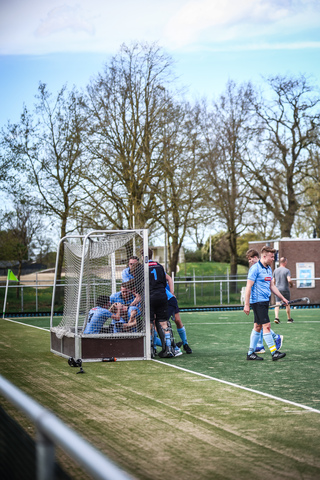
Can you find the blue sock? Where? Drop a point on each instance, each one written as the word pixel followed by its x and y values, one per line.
pixel 254 338
pixel 168 339
pixel 274 335
pixel 260 342
pixel 268 338
pixel 182 335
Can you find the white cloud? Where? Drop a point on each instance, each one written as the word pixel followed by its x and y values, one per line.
pixel 47 26
pixel 64 17
pixel 216 21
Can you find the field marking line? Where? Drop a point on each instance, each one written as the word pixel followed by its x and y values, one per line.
pixel 26 324
pixel 244 323
pixel 305 407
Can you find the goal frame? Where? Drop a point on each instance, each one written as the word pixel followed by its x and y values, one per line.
pixel 96 347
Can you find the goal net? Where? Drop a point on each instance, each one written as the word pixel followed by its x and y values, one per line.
pixel 104 292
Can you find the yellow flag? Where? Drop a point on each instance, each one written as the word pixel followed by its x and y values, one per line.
pixel 11 276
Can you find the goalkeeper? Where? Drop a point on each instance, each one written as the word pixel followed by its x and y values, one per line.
pixel 159 305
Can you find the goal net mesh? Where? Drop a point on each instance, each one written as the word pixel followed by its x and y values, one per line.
pixel 103 294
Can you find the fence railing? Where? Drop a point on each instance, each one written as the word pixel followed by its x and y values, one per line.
pixel 51 432
pixel 190 291
pixel 210 290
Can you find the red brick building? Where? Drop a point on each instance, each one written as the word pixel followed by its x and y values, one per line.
pixel 303 262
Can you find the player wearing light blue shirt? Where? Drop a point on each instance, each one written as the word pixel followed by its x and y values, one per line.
pixel 98 315
pixel 127 298
pixel 258 292
pixel 253 257
pixel 173 311
pixel 127 273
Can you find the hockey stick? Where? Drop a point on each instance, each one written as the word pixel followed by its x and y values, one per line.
pixel 297 300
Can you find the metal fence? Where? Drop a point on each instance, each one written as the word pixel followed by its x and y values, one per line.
pixel 191 291
pixel 51 432
pixel 209 290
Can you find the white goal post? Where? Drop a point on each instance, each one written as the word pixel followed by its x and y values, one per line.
pixel 105 314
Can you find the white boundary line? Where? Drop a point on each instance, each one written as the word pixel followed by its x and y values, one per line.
pixel 26 324
pixel 247 323
pixel 239 386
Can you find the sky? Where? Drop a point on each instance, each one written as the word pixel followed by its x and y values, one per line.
pixel 61 42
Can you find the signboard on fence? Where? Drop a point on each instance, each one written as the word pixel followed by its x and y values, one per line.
pixel 305 275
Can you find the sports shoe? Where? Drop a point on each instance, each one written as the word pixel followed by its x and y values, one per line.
pixel 167 353
pixel 253 356
pixel 290 320
pixel 177 352
pixel 186 348
pixel 279 341
pixel 276 320
pixel 277 355
pixel 260 350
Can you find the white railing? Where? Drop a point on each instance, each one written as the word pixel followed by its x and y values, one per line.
pixel 51 431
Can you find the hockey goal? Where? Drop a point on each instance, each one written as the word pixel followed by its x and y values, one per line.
pixel 106 300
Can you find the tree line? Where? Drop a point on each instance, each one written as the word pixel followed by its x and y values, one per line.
pixel 131 151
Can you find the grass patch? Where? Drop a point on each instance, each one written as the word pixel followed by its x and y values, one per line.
pixel 154 419
pixel 208 269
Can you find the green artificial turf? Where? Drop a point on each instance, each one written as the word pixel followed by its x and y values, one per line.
pixel 158 421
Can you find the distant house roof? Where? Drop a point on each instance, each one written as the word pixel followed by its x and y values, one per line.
pixel 8 263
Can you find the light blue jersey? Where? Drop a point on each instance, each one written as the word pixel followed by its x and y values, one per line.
pixel 96 318
pixel 126 275
pixel 261 276
pixel 169 294
pixel 118 298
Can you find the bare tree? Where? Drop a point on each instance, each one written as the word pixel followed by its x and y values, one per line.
pixel 182 189
pixel 227 140
pixel 47 144
pixel 308 220
pixel 287 120
pixel 22 224
pixel 126 105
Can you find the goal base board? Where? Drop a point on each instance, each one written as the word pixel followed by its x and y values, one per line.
pixel 95 349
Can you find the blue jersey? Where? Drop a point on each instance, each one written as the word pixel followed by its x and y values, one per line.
pixel 261 276
pixel 169 294
pixel 118 298
pixel 126 275
pixel 117 324
pixel 96 318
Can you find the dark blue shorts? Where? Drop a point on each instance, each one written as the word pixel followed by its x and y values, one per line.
pixel 173 307
pixel 261 312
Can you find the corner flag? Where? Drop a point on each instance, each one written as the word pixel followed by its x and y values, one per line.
pixel 12 277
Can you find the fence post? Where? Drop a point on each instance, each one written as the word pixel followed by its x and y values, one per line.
pixel 37 292
pixel 21 298
pixel 220 293
pixel 228 287
pixel 194 288
pixel 45 457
